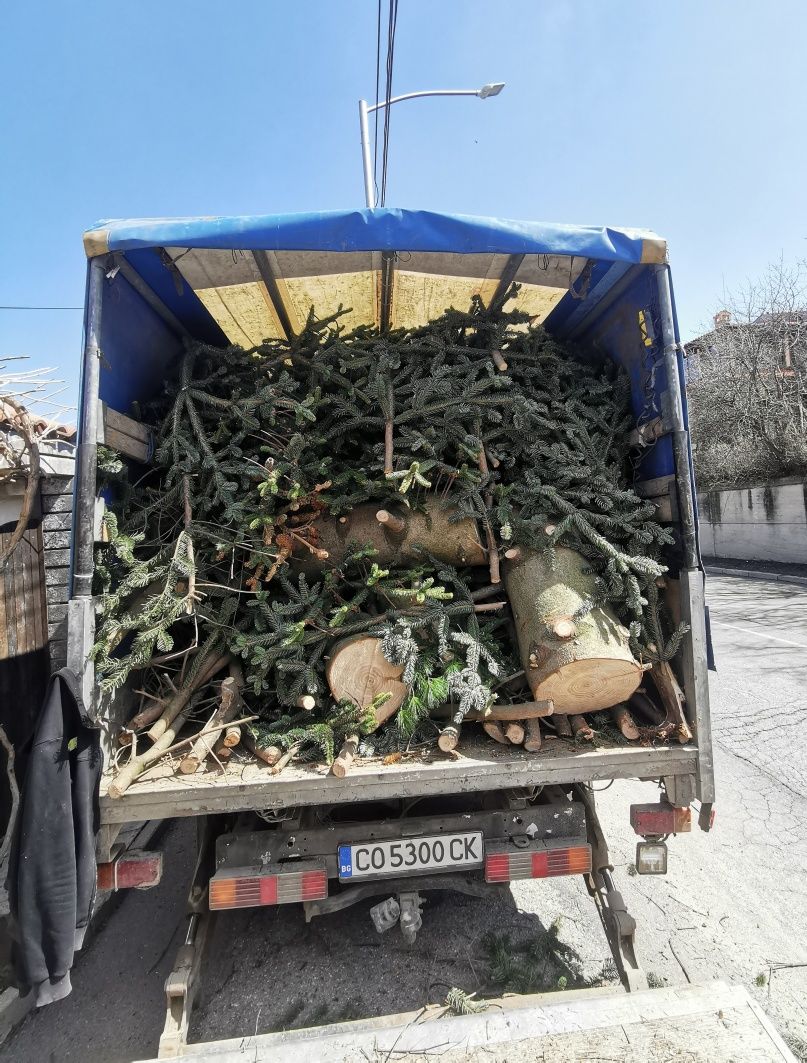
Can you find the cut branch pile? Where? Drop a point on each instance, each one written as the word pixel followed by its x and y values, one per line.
pixel 331 517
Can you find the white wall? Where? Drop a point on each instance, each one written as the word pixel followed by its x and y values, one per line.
pixel 756 524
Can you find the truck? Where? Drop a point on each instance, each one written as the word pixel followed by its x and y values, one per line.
pixel 494 815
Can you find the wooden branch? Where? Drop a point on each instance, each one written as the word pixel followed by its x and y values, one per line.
pixel 625 722
pixel 525 710
pixel 268 754
pixel 23 424
pixel 342 763
pixel 388 451
pixel 307 702
pixel 563 727
pixel 515 733
pixel 493 729
pixel 483 593
pixel 581 729
pixel 393 524
pixel 672 698
pixel 137 765
pixel 490 607
pixel 15 796
pixel 181 698
pixel 285 759
pixel 229 704
pixel 190 603
pixel 498 361
pixel 533 740
pixel 449 738
pixel 513 554
pixel 231 737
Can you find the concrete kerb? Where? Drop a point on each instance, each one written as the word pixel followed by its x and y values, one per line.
pixel 748 573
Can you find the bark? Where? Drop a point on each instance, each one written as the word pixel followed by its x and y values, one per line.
pixel 625 722
pixel 533 740
pixel 431 531
pixel 515 733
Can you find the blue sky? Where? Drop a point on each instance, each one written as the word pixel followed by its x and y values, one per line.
pixel 685 117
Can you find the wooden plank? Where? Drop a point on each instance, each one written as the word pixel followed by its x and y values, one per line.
pixel 124 434
pixel 482 766
pixel 713 1021
pixel 17 566
pixel 127 425
pixel 126 445
pixel 8 587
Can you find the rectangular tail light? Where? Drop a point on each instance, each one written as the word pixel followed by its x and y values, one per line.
pixel 251 887
pixel 137 870
pixel 505 863
pixel 656 820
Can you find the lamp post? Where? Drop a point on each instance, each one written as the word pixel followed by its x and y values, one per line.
pixel 365 110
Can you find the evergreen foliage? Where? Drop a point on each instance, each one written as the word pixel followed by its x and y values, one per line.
pixel 254 445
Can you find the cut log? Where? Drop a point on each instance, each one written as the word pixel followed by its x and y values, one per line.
pixel 581 662
pixel 672 698
pixel 222 752
pixel 494 730
pixel 625 722
pixel 533 740
pixel 514 733
pixel 581 729
pixel 231 737
pixel 307 702
pixel 358 671
pixel 431 531
pixel 342 763
pixel 449 738
pixel 268 754
pixel 563 728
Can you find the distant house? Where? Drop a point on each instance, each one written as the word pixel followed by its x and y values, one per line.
pixel 784 333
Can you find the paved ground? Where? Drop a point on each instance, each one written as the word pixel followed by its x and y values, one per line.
pixel 733 905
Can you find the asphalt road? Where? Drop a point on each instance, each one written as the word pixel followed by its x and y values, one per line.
pixel 733 905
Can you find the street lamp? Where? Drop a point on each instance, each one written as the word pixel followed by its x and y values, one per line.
pixel 492 89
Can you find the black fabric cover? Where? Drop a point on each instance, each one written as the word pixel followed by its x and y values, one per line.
pixel 52 871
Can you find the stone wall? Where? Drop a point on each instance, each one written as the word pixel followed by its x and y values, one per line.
pixel 767 523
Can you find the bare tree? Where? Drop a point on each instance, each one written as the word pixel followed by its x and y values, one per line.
pixel 747 383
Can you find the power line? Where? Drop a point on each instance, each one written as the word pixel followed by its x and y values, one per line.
pixel 41 307
pixel 392 23
pixel 377 83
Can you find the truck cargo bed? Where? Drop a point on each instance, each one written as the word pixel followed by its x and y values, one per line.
pixel 483 765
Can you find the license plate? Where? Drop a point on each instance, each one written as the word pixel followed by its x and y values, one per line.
pixel 443 852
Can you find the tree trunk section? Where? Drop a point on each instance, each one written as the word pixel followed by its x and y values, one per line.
pixel 432 531
pixel 358 671
pixel 582 664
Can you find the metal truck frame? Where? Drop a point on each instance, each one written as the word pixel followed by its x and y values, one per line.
pixel 153 284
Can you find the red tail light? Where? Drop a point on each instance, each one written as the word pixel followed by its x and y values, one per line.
pixel 506 864
pixel 656 820
pixel 249 887
pixel 133 871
